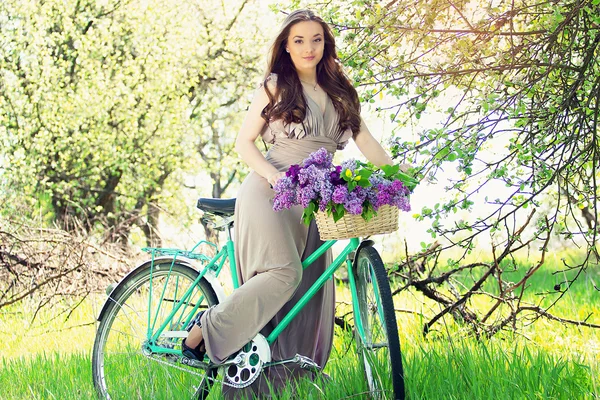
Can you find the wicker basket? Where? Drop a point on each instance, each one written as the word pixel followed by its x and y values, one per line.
pixel 350 226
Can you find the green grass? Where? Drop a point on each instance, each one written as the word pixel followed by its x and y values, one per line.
pixel 466 370
pixel 489 371
pixel 546 360
pixel 47 376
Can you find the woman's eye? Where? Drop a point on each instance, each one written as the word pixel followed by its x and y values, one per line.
pixel 318 40
pixel 298 41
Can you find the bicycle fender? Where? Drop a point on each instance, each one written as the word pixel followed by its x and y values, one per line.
pixel 364 243
pixel 209 276
pixel 212 279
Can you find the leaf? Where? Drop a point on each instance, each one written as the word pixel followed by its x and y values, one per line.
pixel 309 212
pixel 386 169
pixel 442 153
pixel 368 214
pixel 339 213
pixel 408 181
pixel 364 183
pixel 364 173
pixel 390 170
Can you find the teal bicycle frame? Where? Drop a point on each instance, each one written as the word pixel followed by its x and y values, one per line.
pixel 216 264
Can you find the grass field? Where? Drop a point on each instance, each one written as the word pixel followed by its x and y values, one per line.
pixel 546 360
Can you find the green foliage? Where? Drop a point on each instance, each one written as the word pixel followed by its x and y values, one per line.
pixel 88 105
pixel 508 72
pixel 309 212
pixel 104 105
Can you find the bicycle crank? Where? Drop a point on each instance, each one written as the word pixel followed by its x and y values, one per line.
pixel 248 363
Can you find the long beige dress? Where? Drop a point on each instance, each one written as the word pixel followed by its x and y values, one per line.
pixel 270 247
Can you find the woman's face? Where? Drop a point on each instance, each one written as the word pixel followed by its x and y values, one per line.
pixel 305 44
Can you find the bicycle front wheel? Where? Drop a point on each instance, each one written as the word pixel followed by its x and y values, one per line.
pixel 376 331
pixel 124 366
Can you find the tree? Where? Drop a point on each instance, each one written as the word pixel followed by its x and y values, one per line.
pixel 103 104
pixel 231 69
pixel 512 73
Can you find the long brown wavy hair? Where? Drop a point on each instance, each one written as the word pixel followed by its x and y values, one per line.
pixel 292 106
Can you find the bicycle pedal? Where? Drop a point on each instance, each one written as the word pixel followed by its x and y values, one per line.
pixel 306 363
pixel 302 361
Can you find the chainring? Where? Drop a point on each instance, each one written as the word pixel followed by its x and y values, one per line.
pixel 248 364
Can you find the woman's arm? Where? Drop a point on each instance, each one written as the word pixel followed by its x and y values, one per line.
pixel 251 127
pixel 371 149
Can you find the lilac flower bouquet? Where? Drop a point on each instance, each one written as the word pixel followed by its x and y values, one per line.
pixel 354 187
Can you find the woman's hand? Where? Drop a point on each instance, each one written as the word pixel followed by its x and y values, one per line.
pixel 273 178
pixel 405 167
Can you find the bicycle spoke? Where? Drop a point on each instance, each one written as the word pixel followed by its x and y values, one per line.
pixel 378 350
pixel 122 363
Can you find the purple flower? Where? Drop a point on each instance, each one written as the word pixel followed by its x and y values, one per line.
pixel 326 191
pixel 354 201
pixel 372 199
pixel 399 187
pixel 309 175
pixel 354 207
pixel 376 179
pixel 384 195
pixel 293 172
pixel 320 158
pixel 340 194
pixel 318 180
pixel 335 177
pixel 349 164
pixel 285 194
pixel 403 203
pixel 305 195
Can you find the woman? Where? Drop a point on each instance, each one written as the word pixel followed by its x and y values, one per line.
pixel 305 103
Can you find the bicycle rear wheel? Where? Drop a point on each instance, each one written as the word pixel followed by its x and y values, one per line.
pixel 378 345
pixel 123 366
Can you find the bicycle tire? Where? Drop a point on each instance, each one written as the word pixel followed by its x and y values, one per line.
pixel 120 368
pixel 379 353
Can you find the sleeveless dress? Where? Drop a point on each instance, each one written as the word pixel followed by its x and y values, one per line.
pixel 270 247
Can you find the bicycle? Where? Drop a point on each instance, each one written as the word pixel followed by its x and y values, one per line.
pixel 143 321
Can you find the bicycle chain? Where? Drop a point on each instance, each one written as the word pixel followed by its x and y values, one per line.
pixel 302 361
pixel 171 364
pixel 200 374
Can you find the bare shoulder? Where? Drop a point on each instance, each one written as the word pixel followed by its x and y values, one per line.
pixel 271 81
pixel 261 98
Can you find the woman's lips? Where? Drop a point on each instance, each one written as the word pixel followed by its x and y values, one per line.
pixel 309 58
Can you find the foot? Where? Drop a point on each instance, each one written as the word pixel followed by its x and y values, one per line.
pixel 193 353
pixel 199 351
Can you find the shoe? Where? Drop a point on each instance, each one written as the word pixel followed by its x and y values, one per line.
pixel 193 353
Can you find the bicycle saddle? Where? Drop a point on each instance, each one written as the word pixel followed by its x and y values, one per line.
pixel 220 207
